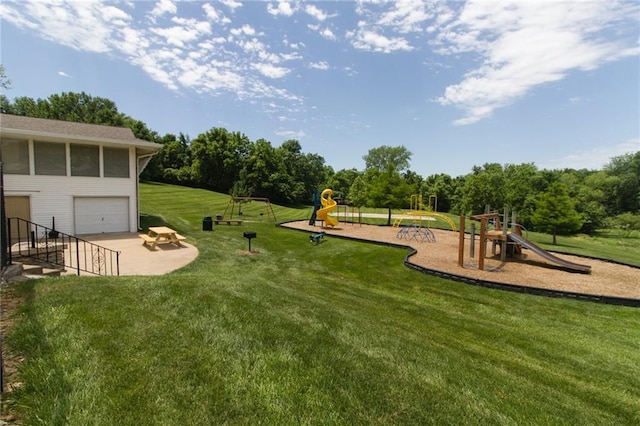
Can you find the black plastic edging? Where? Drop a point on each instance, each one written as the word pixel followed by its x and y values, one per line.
pixel 516 288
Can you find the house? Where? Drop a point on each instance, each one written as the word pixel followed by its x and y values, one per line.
pixel 83 177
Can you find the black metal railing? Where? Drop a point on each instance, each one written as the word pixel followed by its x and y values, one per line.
pixel 48 246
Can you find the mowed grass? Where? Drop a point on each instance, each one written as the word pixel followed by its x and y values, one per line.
pixel 338 333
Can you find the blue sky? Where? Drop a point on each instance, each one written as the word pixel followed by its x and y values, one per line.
pixel 555 83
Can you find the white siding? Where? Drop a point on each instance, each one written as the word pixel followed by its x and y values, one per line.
pixel 53 196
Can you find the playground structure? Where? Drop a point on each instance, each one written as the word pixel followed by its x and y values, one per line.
pixel 510 240
pixel 328 205
pixel 418 214
pixel 416 233
pixel 234 200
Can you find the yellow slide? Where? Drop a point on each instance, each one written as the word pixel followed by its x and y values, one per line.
pixel 328 205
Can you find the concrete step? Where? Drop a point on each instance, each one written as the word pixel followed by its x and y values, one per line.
pixel 32 269
pixel 18 272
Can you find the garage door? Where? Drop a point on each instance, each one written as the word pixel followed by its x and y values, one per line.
pixel 95 215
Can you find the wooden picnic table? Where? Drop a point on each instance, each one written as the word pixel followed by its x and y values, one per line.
pixel 161 235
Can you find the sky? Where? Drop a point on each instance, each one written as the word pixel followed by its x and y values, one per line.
pixel 458 83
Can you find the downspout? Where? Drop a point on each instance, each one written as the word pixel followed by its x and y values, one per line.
pixel 142 162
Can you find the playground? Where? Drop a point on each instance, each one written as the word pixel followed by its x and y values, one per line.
pixel 529 269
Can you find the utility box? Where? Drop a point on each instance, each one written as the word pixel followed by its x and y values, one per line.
pixel 207 224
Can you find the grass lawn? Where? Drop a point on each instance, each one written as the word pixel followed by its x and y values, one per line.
pixel 338 333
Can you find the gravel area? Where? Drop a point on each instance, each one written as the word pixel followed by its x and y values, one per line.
pixel 528 269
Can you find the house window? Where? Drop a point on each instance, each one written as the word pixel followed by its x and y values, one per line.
pixel 15 156
pixel 50 158
pixel 116 162
pixel 85 160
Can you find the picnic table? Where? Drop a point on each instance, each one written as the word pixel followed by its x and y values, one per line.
pixel 161 235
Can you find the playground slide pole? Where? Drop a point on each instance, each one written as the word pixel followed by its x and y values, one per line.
pixel 461 243
pixel 483 243
pixel 505 228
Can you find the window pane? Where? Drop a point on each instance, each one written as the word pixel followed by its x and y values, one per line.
pixel 50 158
pixel 116 162
pixel 15 155
pixel 85 160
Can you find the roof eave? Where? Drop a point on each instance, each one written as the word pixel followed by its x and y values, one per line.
pixel 47 136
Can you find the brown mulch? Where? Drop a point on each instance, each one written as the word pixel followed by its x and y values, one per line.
pixel 529 269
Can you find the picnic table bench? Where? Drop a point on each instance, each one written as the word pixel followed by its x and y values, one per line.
pixel 161 235
pixel 227 221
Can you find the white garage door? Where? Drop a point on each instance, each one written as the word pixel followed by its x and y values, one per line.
pixel 95 215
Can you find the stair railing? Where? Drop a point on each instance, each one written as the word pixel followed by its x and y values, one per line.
pixel 30 240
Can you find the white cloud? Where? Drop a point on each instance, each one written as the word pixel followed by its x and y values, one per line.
pixel 63 74
pixel 372 41
pixel 271 71
pixel 522 45
pixel 283 8
pixel 323 65
pixel 316 12
pixel 231 4
pixel 328 34
pixel 188 30
pixel 291 134
pixel 594 158
pixel 406 16
pixel 164 6
pixel 244 30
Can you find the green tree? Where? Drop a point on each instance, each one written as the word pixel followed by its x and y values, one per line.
pixel 358 192
pixel 5 82
pixel 627 222
pixel 523 183
pixel 555 212
pixel 69 106
pixel 386 187
pixel 342 180
pixel 484 186
pixel 442 186
pixel 258 170
pixel 218 157
pixel 393 159
pixel 627 191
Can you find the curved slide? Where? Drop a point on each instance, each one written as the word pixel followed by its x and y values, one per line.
pixel 328 205
pixel 565 264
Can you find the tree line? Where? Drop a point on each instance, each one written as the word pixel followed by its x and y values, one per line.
pixel 556 201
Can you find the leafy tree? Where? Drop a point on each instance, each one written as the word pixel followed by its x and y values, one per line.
pixel 258 170
pixel 627 191
pixel 555 212
pixel 358 192
pixel 523 182
pixel 627 222
pixel 141 131
pixel 342 181
pixel 392 159
pixel 218 157
pixel 484 186
pixel 414 181
pixel 69 106
pixel 584 188
pixel 386 187
pixel 442 186
pixel 5 82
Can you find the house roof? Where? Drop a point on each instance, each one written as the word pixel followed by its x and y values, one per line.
pixel 18 126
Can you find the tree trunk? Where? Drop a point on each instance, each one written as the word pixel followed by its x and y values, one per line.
pixel 554 239
pixel 389 217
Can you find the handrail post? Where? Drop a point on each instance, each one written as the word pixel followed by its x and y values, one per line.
pixel 78 255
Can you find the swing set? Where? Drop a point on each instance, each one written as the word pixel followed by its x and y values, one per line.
pixel 239 200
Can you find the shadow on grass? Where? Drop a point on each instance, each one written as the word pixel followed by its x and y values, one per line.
pixel 149 220
pixel 29 336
